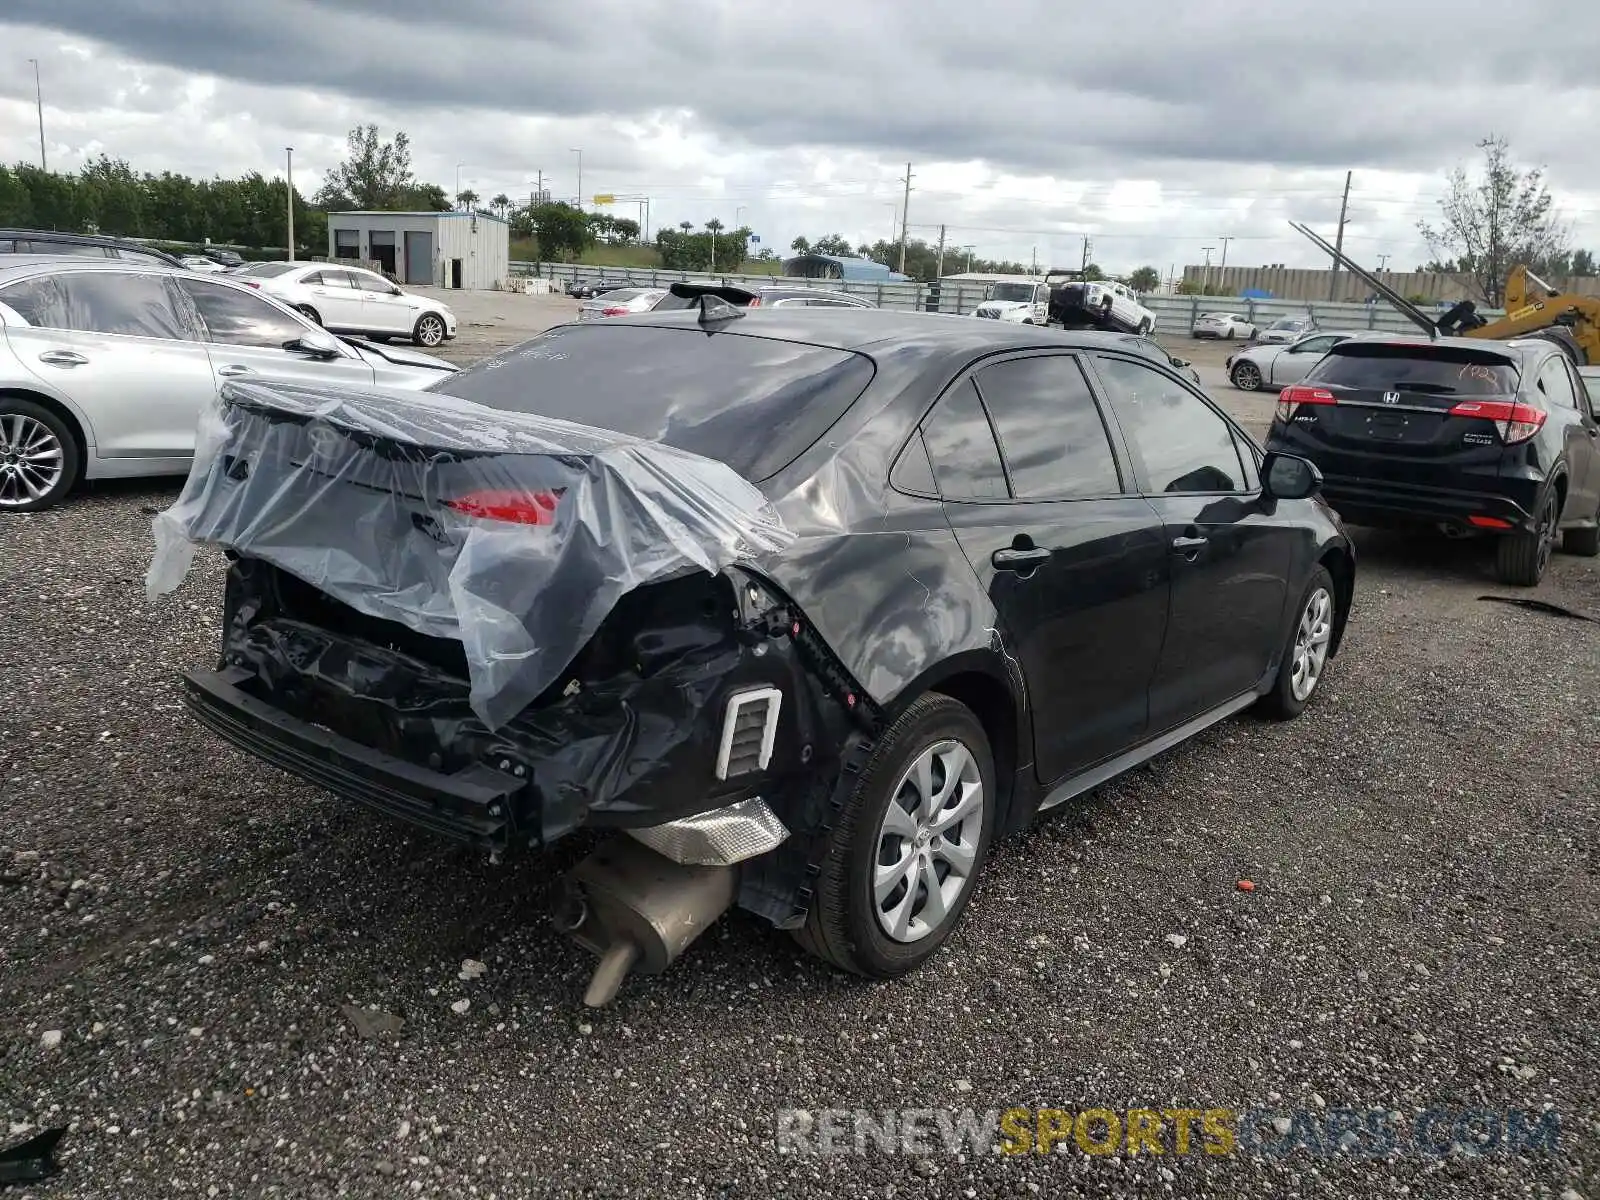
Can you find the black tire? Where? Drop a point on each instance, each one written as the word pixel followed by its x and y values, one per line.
pixel 1563 337
pixel 1145 328
pixel 309 313
pixel 1231 333
pixel 14 411
pixel 1520 558
pixel 1281 702
pixel 429 331
pixel 843 927
pixel 1246 376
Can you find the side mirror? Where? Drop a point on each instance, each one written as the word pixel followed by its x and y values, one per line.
pixel 318 343
pixel 1290 477
pixel 395 291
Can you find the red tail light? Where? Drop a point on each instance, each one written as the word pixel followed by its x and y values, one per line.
pixel 249 283
pixel 755 303
pixel 1516 422
pixel 516 508
pixel 613 312
pixel 1295 395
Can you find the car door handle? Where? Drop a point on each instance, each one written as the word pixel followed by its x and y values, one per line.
pixel 63 358
pixel 1013 559
pixel 1189 547
pixel 233 369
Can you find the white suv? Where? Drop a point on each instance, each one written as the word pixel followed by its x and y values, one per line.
pixel 353 300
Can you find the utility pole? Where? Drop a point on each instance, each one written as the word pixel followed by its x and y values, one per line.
pixel 1222 269
pixel 1084 266
pixel 1035 269
pixel 1338 244
pixel 1383 260
pixel 905 215
pixel 579 153
pixel 289 178
pixel 938 270
pixel 969 250
pixel 1205 279
pixel 38 100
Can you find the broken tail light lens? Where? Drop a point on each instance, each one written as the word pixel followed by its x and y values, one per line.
pixel 1515 422
pixel 1295 395
pixel 515 508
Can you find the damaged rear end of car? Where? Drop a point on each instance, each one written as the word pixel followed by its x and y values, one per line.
pixel 504 628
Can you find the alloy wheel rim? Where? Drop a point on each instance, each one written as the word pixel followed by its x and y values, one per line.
pixel 432 331
pixel 1547 533
pixel 1311 642
pixel 32 460
pixel 927 845
pixel 1249 377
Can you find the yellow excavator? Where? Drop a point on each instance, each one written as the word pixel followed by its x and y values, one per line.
pixel 1533 309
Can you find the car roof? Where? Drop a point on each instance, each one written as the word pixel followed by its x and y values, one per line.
pixel 1518 351
pixel 867 330
pixel 82 239
pixel 19 266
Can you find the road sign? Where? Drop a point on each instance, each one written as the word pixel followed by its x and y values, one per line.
pixel 755 238
pixel 605 198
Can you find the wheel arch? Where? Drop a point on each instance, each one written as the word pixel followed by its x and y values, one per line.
pixel 1340 564
pixel 75 425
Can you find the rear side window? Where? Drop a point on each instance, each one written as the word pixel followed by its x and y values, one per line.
pixel 1050 429
pixel 75 249
pixel 98 302
pixel 1556 384
pixel 753 403
pixel 961 446
pixel 1441 370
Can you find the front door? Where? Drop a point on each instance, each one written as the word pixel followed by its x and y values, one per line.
pixel 1229 559
pixel 249 338
pixel 120 346
pixel 1296 362
pixel 386 311
pixel 1076 566
pixel 337 301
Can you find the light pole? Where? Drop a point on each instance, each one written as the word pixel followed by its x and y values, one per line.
pixel 289 178
pixel 739 209
pixel 1205 278
pixel 38 100
pixel 458 181
pixel 969 250
pixel 1383 260
pixel 579 153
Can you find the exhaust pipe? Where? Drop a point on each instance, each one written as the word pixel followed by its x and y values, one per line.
pixel 637 910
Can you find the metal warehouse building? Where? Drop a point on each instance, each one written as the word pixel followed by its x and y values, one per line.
pixel 445 249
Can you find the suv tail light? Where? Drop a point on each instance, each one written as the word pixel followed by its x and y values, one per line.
pixel 755 302
pixel 1515 422
pixel 516 508
pixel 1293 396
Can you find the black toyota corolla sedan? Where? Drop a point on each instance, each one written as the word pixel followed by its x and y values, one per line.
pixel 799 609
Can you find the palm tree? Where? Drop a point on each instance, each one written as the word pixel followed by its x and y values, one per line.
pixel 714 225
pixel 686 225
pixel 500 204
pixel 467 198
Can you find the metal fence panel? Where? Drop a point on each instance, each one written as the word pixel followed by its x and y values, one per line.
pixel 1174 314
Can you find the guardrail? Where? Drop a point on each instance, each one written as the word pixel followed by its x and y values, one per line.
pixel 1174 314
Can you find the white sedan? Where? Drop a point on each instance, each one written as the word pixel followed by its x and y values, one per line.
pixel 620 303
pixel 352 300
pixel 1228 326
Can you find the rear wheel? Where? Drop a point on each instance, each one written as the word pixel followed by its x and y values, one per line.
pixel 1145 327
pixel 908 844
pixel 1246 376
pixel 1521 557
pixel 1305 658
pixel 39 459
pixel 309 313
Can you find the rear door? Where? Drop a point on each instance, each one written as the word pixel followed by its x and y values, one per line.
pixel 121 345
pixel 248 338
pixel 1387 412
pixel 1076 566
pixel 336 299
pixel 1565 398
pixel 1229 556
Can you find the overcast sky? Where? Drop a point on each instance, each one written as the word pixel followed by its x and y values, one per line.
pixel 1156 127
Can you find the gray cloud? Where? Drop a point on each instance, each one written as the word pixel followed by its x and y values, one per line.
pixel 1216 99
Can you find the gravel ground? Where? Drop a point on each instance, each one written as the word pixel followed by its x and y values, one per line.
pixel 1423 933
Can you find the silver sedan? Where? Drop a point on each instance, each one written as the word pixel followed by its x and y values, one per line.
pixel 620 303
pixel 106 366
pixel 1278 366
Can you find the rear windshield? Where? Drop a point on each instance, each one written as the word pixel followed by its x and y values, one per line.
pixel 622 294
pixel 1445 370
pixel 753 403
pixel 669 302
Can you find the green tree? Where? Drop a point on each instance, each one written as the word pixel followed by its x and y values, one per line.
pixel 1145 279
pixel 800 246
pixel 832 243
pixel 467 199
pixel 1491 223
pixel 375 174
pixel 563 231
pixel 501 204
pixel 625 228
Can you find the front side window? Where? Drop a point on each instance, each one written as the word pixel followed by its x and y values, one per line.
pixel 235 317
pixel 1183 445
pixel 1050 429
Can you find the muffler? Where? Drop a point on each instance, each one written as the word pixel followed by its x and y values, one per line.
pixel 637 910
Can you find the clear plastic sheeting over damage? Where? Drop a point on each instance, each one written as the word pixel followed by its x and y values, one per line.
pixel 510 533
